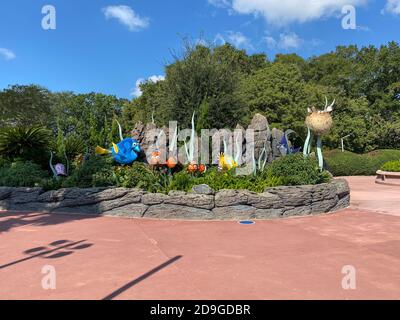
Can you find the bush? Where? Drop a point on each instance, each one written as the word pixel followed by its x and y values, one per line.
pixel 295 169
pixel 391 166
pixel 3 162
pixel 138 175
pixel 21 174
pixel 352 164
pixel 289 170
pixel 25 143
pixel 87 175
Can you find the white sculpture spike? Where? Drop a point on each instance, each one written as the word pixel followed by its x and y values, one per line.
pixel 120 131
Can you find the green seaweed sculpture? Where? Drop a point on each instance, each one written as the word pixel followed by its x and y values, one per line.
pixel 318 123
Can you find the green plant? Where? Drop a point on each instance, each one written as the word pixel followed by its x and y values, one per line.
pixel 295 169
pixel 138 175
pixel 391 166
pixel 51 184
pixel 3 162
pixel 352 164
pixel 27 143
pixel 85 175
pixel 21 174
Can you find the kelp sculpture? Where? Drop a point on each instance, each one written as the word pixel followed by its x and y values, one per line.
pixel 318 123
pixel 193 167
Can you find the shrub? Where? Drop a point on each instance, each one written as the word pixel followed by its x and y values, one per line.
pixel 26 143
pixel 85 175
pixel 51 184
pixel 21 174
pixel 352 164
pixel 295 169
pixel 3 162
pixel 391 166
pixel 138 175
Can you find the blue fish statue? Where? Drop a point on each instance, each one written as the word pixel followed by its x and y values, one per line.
pixel 125 152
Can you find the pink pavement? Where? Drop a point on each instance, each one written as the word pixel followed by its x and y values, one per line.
pixel 297 258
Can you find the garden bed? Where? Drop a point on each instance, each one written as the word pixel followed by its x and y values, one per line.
pixel 201 203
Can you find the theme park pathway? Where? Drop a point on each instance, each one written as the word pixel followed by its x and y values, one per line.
pixel 297 258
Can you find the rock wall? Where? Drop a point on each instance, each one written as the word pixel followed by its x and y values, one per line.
pixel 202 203
pixel 263 137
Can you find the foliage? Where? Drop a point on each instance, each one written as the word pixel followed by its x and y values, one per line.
pixel 391 166
pixel 352 164
pixel 91 117
pixel 27 143
pixel 25 106
pixel 205 80
pixel 21 174
pixel 83 176
pixel 138 175
pixel 295 169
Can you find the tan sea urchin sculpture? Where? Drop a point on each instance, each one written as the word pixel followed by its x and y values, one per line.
pixel 319 123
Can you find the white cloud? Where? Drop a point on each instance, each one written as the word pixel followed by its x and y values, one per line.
pixel 137 92
pixel 219 39
pixel 283 12
pixel 220 3
pixel 239 40
pixel 392 6
pixel 286 41
pixel 126 16
pixel 7 54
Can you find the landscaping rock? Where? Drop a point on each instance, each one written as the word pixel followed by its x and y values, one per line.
pixel 4 205
pixel 343 203
pixel 203 189
pixel 259 123
pixel 268 213
pixel 74 193
pixel 153 198
pixel 199 204
pixel 240 212
pixel 323 191
pixel 5 192
pixel 227 197
pixel 171 211
pixel 191 200
pixel 342 187
pixel 105 195
pixel 53 195
pixel 293 196
pixel 264 200
pixel 297 211
pixel 134 210
pixel 276 138
pixel 324 206
pixel 178 193
pixel 131 197
pixel 262 135
pixel 78 210
pixel 25 195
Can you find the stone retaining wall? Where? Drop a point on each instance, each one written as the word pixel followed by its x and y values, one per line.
pixel 199 204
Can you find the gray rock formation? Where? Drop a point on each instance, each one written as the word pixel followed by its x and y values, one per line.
pixel 199 204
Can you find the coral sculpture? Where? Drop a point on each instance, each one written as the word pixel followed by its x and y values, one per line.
pixel 318 123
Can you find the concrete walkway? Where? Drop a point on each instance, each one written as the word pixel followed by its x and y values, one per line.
pixel 298 258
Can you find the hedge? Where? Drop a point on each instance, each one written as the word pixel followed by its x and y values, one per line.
pixel 351 164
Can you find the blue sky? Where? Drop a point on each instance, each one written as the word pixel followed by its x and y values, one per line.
pixel 108 46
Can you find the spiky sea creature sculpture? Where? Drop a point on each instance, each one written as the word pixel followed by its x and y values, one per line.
pixel 318 123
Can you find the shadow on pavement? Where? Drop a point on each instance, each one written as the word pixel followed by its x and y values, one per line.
pixel 141 278
pixel 54 250
pixel 9 220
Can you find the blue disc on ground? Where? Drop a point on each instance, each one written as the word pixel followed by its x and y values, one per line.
pixel 246 222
